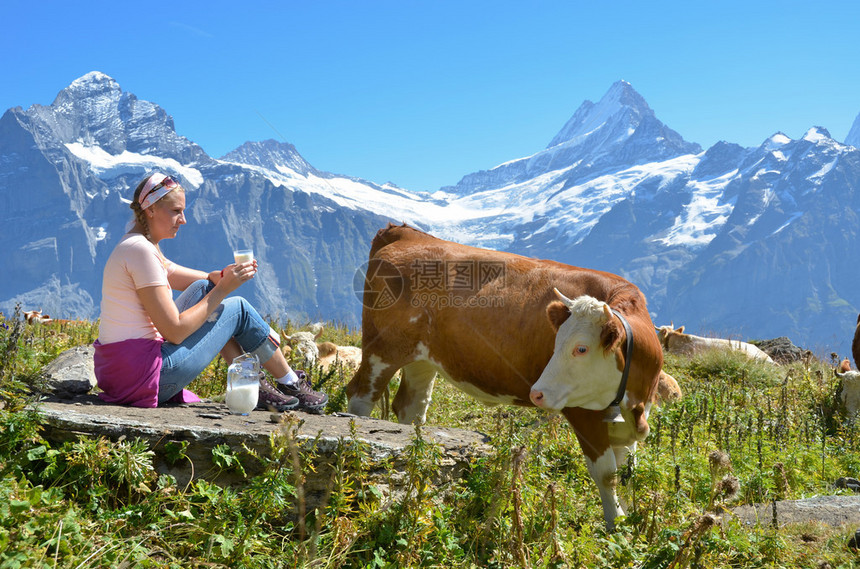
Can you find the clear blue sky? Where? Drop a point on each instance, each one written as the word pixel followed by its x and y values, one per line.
pixel 422 93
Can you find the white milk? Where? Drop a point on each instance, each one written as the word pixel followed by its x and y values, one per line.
pixel 243 256
pixel 242 399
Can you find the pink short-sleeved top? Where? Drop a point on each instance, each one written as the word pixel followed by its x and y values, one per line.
pixel 135 263
pixel 127 357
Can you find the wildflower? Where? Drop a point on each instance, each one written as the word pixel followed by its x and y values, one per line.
pixel 720 463
pixel 727 488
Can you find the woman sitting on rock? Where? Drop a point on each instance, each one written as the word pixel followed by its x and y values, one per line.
pixel 149 347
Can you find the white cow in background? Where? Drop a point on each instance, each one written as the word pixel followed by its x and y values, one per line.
pixel 675 341
pixel 850 388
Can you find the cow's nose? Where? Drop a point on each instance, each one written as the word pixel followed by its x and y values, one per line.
pixel 536 397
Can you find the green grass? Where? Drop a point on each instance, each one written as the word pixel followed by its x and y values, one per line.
pixel 744 433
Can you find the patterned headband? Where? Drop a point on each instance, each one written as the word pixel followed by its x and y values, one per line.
pixel 157 186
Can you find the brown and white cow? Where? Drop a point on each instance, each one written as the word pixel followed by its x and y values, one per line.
pixel 326 354
pixel 850 388
pixel 675 341
pixel 36 317
pixel 668 389
pixel 331 354
pixel 484 320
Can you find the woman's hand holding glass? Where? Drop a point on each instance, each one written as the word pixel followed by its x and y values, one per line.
pixel 237 273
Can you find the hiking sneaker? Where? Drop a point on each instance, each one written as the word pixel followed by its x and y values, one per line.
pixel 309 400
pixel 271 398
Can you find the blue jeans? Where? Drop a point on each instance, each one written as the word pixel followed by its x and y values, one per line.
pixel 234 318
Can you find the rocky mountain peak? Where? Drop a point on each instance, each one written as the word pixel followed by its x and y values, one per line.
pixel 817 134
pixel 94 111
pixel 775 141
pixel 94 83
pixel 621 103
pixel 620 129
pixel 270 154
pixel 853 138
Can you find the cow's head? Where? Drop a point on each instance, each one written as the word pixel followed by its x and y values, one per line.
pixel 304 344
pixel 666 334
pixel 586 366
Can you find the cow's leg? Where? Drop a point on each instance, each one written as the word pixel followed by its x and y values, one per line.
pixel 622 437
pixel 593 436
pixel 415 392
pixel 623 452
pixel 367 385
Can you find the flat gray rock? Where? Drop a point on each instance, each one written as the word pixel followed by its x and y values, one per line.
pixel 204 425
pixel 71 410
pixel 71 373
pixel 829 510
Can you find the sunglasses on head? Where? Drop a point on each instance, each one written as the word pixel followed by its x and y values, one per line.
pixel 167 182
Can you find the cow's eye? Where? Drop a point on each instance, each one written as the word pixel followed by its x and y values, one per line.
pixel 580 350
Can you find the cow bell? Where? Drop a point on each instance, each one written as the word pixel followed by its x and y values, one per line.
pixel 613 415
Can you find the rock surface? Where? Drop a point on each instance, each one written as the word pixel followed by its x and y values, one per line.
pixel 828 510
pixel 203 426
pixel 71 373
pixel 71 412
pixel 782 350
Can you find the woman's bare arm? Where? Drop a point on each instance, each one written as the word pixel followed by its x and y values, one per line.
pixel 176 326
pixel 182 277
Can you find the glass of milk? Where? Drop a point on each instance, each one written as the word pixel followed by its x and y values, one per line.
pixel 243 256
pixel 243 385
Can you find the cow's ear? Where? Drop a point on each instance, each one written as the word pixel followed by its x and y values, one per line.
pixel 557 313
pixel 610 335
pixel 640 422
pixel 680 330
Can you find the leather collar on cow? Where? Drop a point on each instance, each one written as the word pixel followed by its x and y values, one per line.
pixel 613 412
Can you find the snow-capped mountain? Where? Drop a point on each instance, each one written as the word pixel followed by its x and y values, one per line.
pixel 853 137
pixel 753 242
pixel 746 242
pixel 271 155
pixel 619 131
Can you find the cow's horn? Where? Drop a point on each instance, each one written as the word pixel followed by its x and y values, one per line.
pixel 567 302
pixel 607 312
